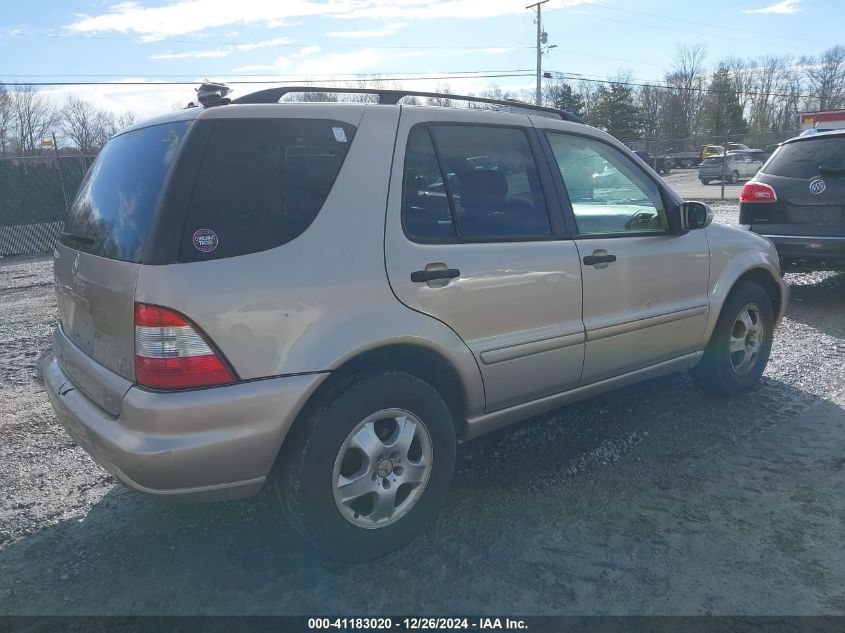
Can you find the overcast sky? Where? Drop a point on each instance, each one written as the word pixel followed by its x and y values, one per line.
pixel 186 40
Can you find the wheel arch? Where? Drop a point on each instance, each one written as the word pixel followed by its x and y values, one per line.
pixel 416 359
pixel 759 274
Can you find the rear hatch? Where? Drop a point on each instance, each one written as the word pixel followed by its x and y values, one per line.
pixel 99 254
pixel 808 177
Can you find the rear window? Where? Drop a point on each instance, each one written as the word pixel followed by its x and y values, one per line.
pixel 803 159
pixel 261 183
pixel 716 160
pixel 115 204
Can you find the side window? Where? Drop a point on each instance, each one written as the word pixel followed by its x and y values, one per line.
pixel 608 192
pixel 466 182
pixel 426 214
pixel 261 183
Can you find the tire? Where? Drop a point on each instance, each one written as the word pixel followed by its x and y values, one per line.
pixel 312 466
pixel 733 178
pixel 704 181
pixel 719 370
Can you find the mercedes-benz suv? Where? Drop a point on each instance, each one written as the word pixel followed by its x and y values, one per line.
pixel 329 296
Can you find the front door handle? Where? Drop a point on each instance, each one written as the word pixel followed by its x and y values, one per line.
pixel 420 276
pixel 592 260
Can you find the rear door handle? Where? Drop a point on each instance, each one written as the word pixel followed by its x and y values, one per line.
pixel 421 276
pixel 592 260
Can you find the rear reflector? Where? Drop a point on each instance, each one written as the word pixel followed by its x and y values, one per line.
pixel 171 352
pixel 757 192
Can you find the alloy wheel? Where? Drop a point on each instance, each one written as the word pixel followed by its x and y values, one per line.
pixel 382 468
pixel 746 340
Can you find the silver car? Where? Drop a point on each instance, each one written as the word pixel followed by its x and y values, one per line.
pixel 735 166
pixel 327 297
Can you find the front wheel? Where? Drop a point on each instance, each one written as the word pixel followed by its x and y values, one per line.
pixel 733 178
pixel 704 181
pixel 370 466
pixel 741 342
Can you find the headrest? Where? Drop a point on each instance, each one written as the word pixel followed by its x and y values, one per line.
pixel 480 187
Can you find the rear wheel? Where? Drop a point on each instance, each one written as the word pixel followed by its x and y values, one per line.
pixel 370 466
pixel 741 342
pixel 704 181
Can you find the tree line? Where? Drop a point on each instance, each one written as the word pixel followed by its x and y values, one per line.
pixel 28 117
pixel 739 96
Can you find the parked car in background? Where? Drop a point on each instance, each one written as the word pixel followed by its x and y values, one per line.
pixel 767 151
pixel 735 166
pixel 295 297
pixel 660 164
pixel 738 147
pixel 798 201
pixel 815 130
pixel 708 151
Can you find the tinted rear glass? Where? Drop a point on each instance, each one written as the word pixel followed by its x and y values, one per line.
pixel 261 183
pixel 115 204
pixel 802 159
pixel 717 160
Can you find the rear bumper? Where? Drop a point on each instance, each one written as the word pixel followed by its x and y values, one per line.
pixel 211 443
pixel 799 252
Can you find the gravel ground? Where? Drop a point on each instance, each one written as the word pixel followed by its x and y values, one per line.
pixel 655 499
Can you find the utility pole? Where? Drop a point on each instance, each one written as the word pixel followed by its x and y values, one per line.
pixel 541 39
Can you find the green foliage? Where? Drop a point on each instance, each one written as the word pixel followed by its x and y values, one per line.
pixel 722 112
pixel 561 95
pixel 616 112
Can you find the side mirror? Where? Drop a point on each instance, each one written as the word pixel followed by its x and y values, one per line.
pixel 695 215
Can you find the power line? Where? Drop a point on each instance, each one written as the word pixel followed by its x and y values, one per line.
pixel 576 77
pixel 719 27
pixel 721 37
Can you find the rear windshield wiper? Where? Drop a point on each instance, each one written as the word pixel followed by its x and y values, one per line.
pixel 77 238
pixel 832 171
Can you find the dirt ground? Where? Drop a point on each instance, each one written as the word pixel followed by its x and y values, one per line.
pixel 655 499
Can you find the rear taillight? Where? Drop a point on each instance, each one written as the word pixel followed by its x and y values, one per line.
pixel 757 192
pixel 171 352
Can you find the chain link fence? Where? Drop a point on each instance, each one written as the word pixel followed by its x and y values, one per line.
pixel 34 194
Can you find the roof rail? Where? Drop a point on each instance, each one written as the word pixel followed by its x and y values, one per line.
pixel 392 97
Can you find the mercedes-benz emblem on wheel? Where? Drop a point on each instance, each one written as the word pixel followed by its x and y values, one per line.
pixel 817 186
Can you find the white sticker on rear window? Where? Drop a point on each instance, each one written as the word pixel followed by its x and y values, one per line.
pixel 205 240
pixel 339 134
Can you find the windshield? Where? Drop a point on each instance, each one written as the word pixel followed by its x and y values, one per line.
pixel 115 205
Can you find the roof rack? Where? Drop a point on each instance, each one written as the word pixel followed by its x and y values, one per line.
pixel 392 97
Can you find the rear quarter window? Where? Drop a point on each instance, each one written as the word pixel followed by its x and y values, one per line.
pixel 802 159
pixel 261 183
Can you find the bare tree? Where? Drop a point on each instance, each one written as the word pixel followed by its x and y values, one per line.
pixel 84 125
pixel 650 99
pixel 741 72
pixel 123 121
pixel 826 75
pixel 33 118
pixel 789 103
pixel 769 74
pixel 5 121
pixel 441 101
pixel 687 80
